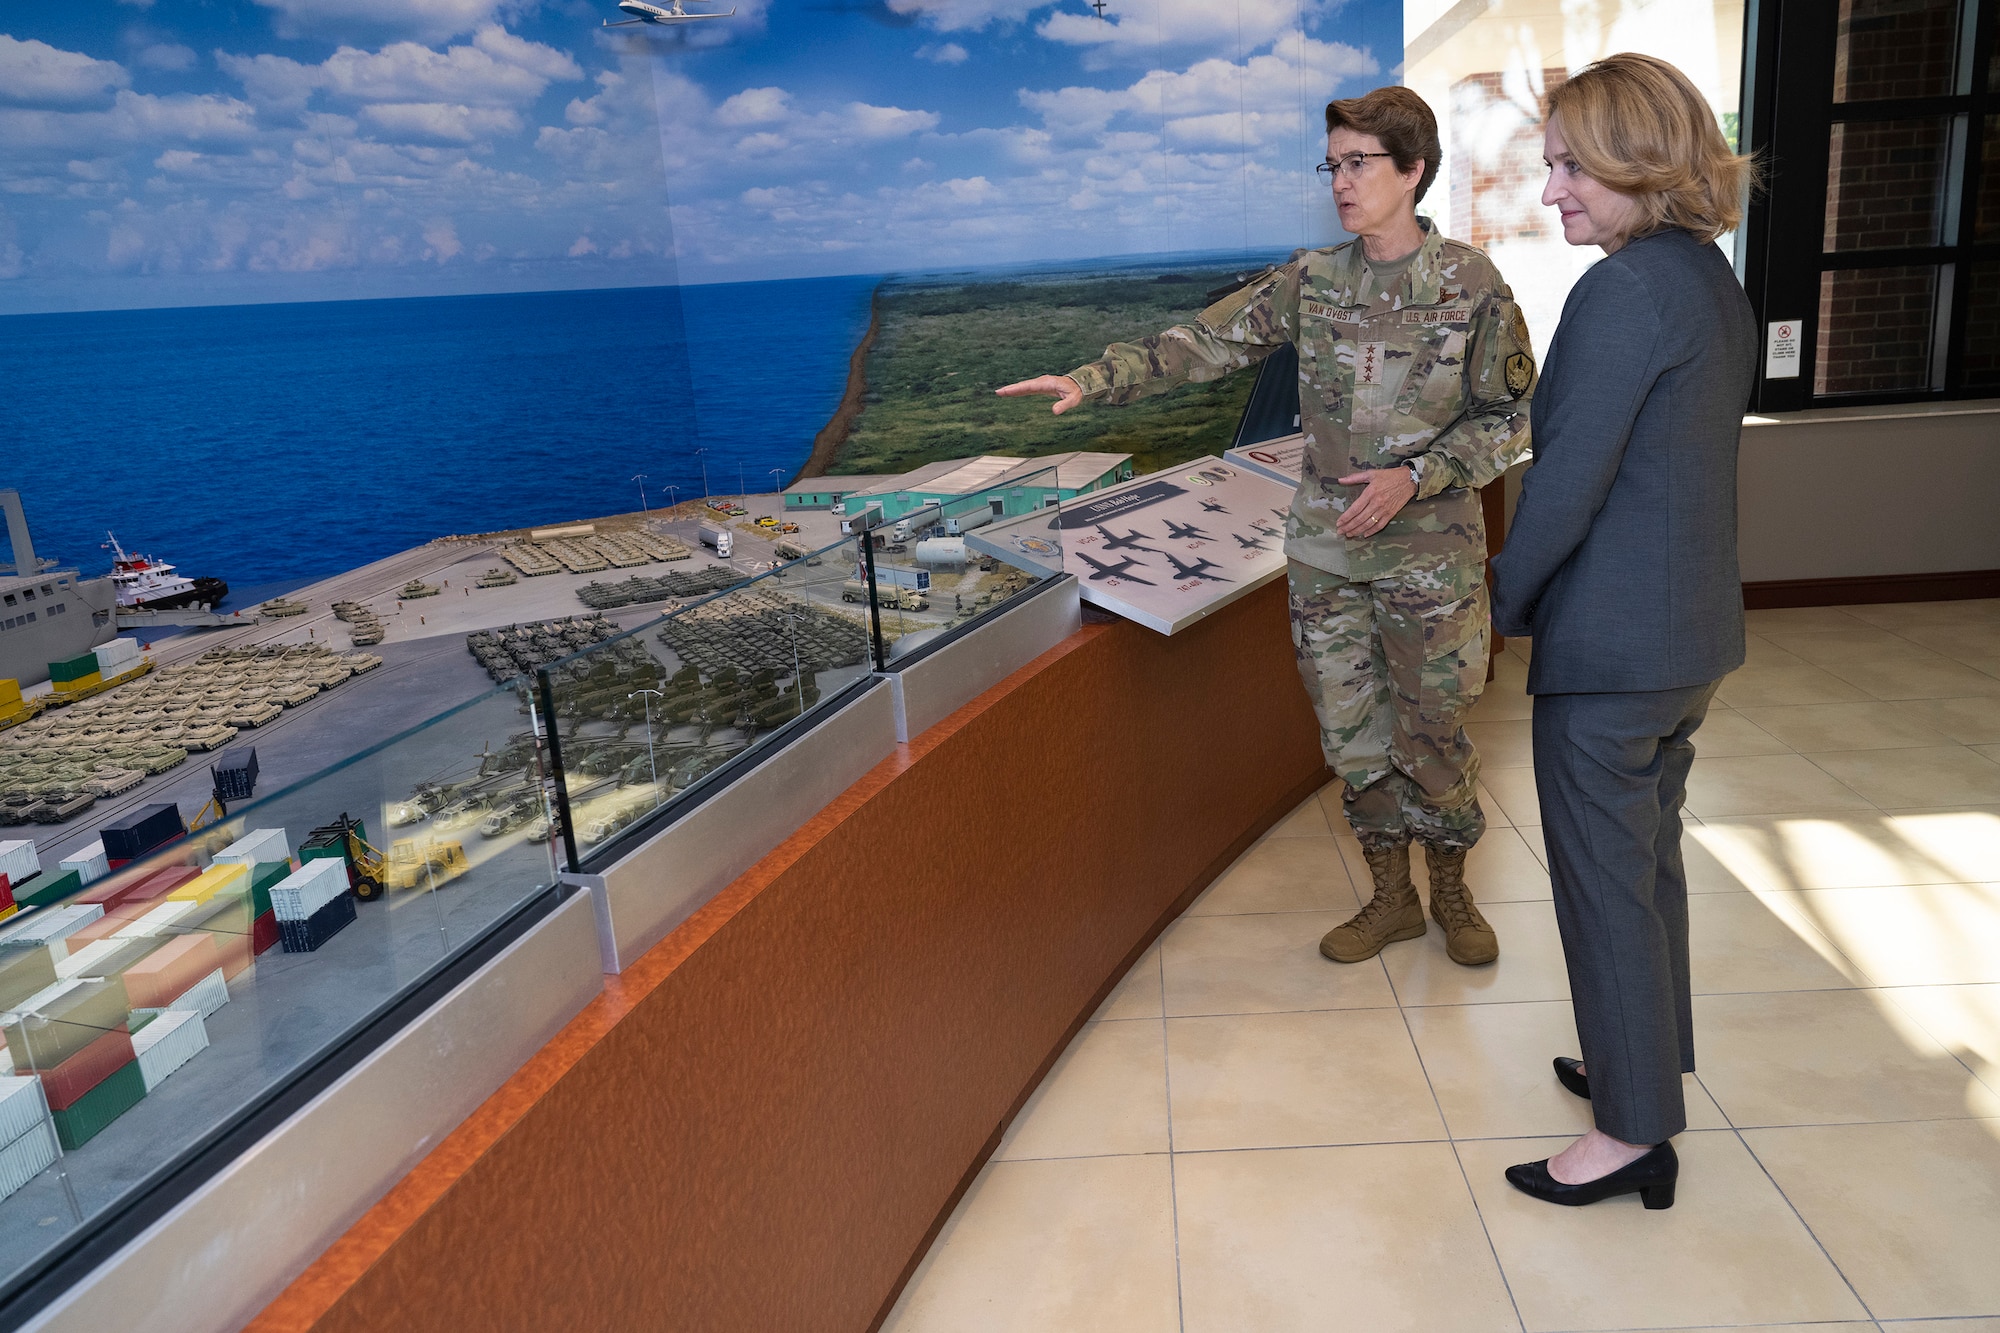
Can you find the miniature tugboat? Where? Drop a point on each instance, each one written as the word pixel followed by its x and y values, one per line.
pixel 151 585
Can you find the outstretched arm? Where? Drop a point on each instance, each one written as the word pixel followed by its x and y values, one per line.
pixel 1239 330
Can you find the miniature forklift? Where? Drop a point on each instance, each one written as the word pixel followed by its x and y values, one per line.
pixel 347 839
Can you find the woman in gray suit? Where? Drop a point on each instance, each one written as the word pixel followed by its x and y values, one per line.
pixel 1621 564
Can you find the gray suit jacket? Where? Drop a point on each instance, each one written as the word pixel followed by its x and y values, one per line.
pixel 1621 559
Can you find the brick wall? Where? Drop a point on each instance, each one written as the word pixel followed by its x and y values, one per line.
pixel 1894 48
pixel 1496 161
pixel 1874 329
pixel 1885 183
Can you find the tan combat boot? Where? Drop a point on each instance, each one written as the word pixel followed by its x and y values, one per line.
pixel 1392 914
pixel 1467 937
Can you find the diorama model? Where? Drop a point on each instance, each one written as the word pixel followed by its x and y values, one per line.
pixel 1414 371
pixel 152 585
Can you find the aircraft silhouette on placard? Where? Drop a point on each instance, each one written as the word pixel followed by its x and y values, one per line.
pixel 1129 542
pixel 1213 507
pixel 1249 543
pixel 1186 532
pixel 1196 570
pixel 1264 526
pixel 1116 571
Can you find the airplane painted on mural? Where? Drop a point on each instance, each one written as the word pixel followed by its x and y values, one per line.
pixel 1129 542
pixel 645 13
pixel 1213 507
pixel 1116 571
pixel 1197 570
pixel 1186 532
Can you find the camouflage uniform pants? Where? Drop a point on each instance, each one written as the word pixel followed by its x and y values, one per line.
pixel 1392 666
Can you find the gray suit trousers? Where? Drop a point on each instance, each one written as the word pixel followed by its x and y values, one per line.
pixel 1611 771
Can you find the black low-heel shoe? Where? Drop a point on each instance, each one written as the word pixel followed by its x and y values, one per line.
pixel 1570 1074
pixel 1651 1177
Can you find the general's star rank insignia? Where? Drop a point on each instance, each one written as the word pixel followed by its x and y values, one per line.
pixel 1520 373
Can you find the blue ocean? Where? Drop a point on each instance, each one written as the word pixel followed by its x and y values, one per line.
pixel 274 444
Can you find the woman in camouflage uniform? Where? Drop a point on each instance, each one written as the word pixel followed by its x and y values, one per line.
pixel 1414 375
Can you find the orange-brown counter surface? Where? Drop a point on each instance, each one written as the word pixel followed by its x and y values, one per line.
pixel 761 1124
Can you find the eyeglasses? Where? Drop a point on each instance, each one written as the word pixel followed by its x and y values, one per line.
pixel 1349 166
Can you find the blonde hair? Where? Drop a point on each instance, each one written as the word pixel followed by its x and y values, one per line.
pixel 1641 127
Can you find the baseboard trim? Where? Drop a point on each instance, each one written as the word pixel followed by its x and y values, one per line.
pixel 1955 586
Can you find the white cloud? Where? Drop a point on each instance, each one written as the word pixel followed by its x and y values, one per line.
pixel 169 56
pixel 34 73
pixel 754 106
pixel 948 53
pixel 441 120
pixel 497 68
pixel 886 122
pixel 442 238
pixel 582 246
pixel 425 20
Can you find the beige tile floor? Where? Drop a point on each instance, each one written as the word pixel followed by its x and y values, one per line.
pixel 1249 1139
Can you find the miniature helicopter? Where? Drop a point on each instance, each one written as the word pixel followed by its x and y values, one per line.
pixel 645 13
pixel 1186 532
pixel 1116 571
pixel 1213 507
pixel 1100 6
pixel 1130 541
pixel 1197 570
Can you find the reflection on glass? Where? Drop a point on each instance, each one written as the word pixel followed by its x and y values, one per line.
pixel 935 571
pixel 1895 48
pixel 1886 184
pixel 1982 327
pixel 1875 329
pixel 645 714
pixel 146 1009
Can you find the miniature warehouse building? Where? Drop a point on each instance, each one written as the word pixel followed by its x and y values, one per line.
pixel 1033 483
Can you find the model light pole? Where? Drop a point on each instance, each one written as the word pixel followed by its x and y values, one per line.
pixel 702 456
pixel 646 697
pixel 798 674
pixel 643 506
pixel 673 495
pixel 777 482
pixel 741 489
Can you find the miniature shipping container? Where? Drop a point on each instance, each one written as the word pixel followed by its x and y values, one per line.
pixel 150 826
pixel 89 863
pixel 78 1124
pixel 258 847
pixel 235 774
pixel 73 668
pixel 167 1042
pixel 306 936
pixel 18 861
pixel 315 884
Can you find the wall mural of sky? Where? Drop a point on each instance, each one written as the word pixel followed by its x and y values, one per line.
pixel 254 150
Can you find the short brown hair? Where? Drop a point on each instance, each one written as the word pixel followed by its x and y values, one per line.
pixel 1401 120
pixel 1640 126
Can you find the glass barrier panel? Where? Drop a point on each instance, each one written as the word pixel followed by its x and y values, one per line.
pixel 934 571
pixel 194 974
pixel 648 713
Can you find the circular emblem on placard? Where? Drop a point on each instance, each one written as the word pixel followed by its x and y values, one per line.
pixel 1784 330
pixel 1036 546
pixel 1211 476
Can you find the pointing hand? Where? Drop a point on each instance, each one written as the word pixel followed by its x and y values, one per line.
pixel 1065 390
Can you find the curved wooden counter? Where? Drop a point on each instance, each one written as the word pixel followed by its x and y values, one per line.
pixel 761 1125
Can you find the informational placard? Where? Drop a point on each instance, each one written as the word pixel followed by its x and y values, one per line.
pixel 1782 356
pixel 1165 549
pixel 1282 459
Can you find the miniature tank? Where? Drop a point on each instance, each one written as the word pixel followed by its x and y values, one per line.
pixel 498 578
pixel 280 607
pixel 415 589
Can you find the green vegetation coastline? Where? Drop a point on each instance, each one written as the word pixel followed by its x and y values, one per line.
pixel 920 385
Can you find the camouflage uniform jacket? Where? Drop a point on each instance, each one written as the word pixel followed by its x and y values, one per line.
pixel 1437 369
